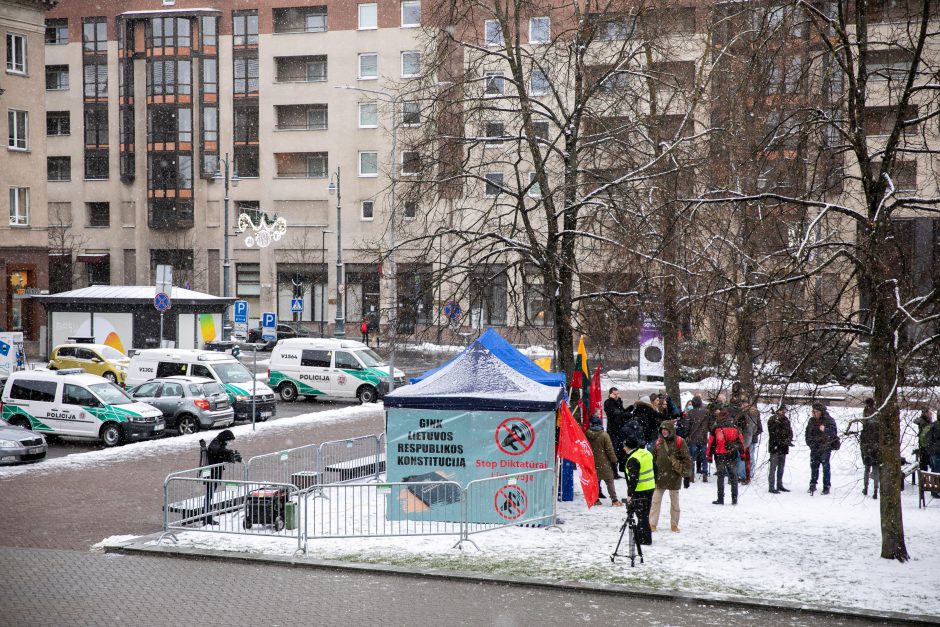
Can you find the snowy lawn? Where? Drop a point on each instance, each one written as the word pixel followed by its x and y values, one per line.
pixel 793 547
pixel 149 448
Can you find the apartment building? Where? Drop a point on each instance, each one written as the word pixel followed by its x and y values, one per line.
pixel 24 257
pixel 147 98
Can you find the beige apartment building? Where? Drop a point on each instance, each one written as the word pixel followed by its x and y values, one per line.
pixel 150 97
pixel 24 258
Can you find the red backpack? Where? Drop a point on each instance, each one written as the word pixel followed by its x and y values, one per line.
pixel 678 442
pixel 727 443
pixel 364 328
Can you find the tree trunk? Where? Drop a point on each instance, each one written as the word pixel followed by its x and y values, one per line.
pixel 883 359
pixel 671 360
pixel 743 348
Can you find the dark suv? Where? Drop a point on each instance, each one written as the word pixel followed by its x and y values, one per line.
pixel 188 403
pixel 285 330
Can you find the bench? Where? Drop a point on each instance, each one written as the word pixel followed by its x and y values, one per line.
pixel 929 482
pixel 357 468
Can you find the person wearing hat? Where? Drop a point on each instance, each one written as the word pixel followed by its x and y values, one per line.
pixel 672 463
pixel 217 454
pixel 869 443
pixel 641 483
pixel 780 440
pixel 822 437
pixel 604 456
pixel 697 421
pixel 725 445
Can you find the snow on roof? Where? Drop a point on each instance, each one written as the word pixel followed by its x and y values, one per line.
pixel 126 292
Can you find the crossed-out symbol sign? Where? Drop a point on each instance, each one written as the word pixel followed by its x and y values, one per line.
pixel 510 502
pixel 161 301
pixel 514 436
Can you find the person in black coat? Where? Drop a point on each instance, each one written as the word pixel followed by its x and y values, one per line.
pixel 649 417
pixel 217 454
pixel 822 437
pixel 870 445
pixel 616 415
pixel 780 436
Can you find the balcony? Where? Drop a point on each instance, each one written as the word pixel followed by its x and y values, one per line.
pixel 310 117
pixel 302 165
pixel 300 69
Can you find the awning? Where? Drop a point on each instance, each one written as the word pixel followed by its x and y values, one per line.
pixel 93 258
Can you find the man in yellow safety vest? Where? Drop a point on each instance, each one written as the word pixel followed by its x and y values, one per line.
pixel 640 486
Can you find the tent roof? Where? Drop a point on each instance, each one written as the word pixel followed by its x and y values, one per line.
pixel 130 294
pixel 477 379
pixel 508 353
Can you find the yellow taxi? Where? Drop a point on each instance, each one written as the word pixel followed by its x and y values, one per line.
pixel 99 359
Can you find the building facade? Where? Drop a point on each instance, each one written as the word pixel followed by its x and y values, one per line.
pixel 24 255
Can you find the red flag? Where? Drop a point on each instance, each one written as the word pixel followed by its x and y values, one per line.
pixel 577 401
pixel 596 401
pixel 573 446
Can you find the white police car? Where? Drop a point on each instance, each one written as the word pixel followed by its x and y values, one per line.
pixel 71 402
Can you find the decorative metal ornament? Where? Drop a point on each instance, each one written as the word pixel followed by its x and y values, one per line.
pixel 262 233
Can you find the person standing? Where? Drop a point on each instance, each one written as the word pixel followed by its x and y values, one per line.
pixel 672 463
pixel 753 430
pixel 822 437
pixel 604 456
pixel 725 445
pixel 780 439
pixel 215 456
pixel 364 330
pixel 869 443
pixel 641 484
pixel 647 414
pixel 924 423
pixel 616 414
pixel 697 421
pixel 932 448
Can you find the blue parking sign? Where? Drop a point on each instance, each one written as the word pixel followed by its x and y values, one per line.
pixel 269 326
pixel 4 349
pixel 241 311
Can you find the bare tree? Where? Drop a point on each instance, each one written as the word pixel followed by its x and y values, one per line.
pixel 64 244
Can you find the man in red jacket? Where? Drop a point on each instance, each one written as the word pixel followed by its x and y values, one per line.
pixel 726 445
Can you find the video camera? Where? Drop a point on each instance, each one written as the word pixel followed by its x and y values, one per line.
pixel 236 457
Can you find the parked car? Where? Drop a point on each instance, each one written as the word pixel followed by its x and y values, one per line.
pixel 99 359
pixel 20 445
pixel 285 331
pixel 188 403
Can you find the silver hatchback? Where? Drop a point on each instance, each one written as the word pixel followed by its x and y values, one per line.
pixel 20 445
pixel 188 403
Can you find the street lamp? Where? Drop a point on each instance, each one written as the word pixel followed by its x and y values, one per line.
pixel 325 279
pixel 340 325
pixel 223 175
pixel 393 289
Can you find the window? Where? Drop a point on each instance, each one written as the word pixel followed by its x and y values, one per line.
pixel 539 30
pixel 58 123
pixel 368 115
pixel 346 361
pixel 537 305
pixel 882 120
pixel 612 27
pixel 368 164
pixel 57 32
pixel 95 35
pixel 210 76
pixel 890 64
pixel 317 165
pixel 410 211
pixel 410 162
pixel 316 70
pixel 410 114
pixel 99 214
pixel 410 13
pixel 494 84
pixel 493 33
pixel 39 391
pixel 96 126
pixel 246 125
pixel 493 133
pixel 96 164
pixel 368 66
pixel 317 117
pixel 19 206
pixel 904 175
pixel 77 395
pixel 247 161
pixel 246 76
pixel 410 64
pixel 170 369
pixel 248 279
pixel 368 209
pixel 209 32
pixel 494 184
pixel 535 191
pixel 96 80
pixel 198 370
pixel 16 53
pixel 538 83
pixel 57 77
pixel 245 28
pixel 300 20
pixel 59 168
pixel 540 130
pixel 316 359
pixel 368 16
pixel 18 122
pixel 169 32
pixel 146 390
pixel 488 297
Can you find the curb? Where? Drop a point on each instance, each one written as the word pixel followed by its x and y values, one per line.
pixel 139 546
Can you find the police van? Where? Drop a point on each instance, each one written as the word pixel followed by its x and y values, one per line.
pixel 75 403
pixel 335 368
pixel 237 380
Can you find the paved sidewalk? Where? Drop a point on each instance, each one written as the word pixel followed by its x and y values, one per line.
pixel 76 588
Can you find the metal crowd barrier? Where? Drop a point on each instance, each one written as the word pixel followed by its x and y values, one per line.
pixel 299 466
pixel 342 461
pixel 234 506
pixel 510 500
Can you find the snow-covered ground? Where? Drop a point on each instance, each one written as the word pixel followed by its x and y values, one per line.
pixel 795 547
pixel 150 448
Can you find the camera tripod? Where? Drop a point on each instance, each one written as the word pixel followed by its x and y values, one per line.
pixel 633 542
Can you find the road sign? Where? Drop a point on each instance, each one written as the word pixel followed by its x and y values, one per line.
pixel 269 326
pixel 241 311
pixel 164 282
pixel 297 305
pixel 161 302
pixel 452 310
